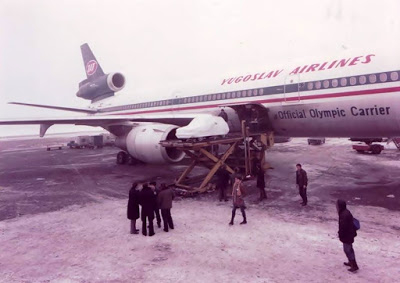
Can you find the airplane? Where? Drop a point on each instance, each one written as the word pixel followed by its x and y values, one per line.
pixel 354 96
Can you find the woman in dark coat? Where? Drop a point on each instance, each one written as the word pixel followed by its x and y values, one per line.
pixel 237 198
pixel 133 208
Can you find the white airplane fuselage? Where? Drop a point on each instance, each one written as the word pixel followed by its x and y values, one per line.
pixel 347 96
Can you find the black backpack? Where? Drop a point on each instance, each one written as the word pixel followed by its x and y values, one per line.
pixel 356 223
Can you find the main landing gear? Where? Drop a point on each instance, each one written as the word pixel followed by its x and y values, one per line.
pixel 125 158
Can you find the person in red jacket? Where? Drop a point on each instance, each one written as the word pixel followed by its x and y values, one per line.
pixel 347 233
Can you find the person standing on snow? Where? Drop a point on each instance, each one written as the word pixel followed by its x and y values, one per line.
pixel 237 197
pixel 133 208
pixel 347 233
pixel 153 186
pixel 302 182
pixel 223 179
pixel 164 199
pixel 260 173
pixel 148 203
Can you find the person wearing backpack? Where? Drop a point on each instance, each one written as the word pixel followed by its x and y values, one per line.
pixel 347 233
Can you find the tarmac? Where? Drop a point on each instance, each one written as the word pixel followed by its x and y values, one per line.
pixel 34 180
pixel 63 219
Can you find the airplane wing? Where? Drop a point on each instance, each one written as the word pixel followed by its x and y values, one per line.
pixel 103 120
pixel 83 110
pixel 180 120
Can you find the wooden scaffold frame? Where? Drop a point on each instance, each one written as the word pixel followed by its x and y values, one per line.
pixel 205 153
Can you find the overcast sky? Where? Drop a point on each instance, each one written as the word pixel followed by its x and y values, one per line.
pixel 162 45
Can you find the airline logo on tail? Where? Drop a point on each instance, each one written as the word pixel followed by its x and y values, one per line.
pixel 91 67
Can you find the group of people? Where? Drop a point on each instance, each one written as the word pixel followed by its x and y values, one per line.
pixel 347 229
pixel 224 179
pixel 152 200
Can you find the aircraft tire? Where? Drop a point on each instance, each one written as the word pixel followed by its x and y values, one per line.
pixel 121 157
pixel 131 160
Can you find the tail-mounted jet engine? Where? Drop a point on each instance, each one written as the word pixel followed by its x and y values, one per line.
pixel 101 87
pixel 143 143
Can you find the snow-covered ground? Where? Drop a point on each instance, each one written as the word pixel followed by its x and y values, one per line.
pixel 92 243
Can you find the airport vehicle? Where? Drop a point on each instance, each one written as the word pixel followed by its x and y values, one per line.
pixel 366 145
pixel 96 141
pixel 372 148
pixel 315 141
pixel 348 96
pixel 73 144
pixel 50 147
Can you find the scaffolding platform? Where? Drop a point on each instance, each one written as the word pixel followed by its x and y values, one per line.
pixel 233 153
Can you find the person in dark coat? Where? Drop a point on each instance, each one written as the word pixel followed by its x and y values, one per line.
pixel 133 208
pixel 302 182
pixel 223 115
pixel 148 203
pixel 164 200
pixel 347 233
pixel 261 181
pixel 153 186
pixel 237 198
pixel 223 179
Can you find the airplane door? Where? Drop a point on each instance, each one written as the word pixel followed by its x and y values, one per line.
pixel 291 93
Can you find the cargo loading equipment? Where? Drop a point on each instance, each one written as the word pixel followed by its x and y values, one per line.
pixel 234 153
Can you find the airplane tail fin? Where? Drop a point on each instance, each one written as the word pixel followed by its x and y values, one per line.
pixel 97 85
pixel 92 67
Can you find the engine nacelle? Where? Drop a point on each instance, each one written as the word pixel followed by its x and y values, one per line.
pixel 143 143
pixel 102 86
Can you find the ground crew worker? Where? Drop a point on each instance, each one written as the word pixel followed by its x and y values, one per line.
pixel 261 181
pixel 223 179
pixel 254 120
pixel 223 115
pixel 302 181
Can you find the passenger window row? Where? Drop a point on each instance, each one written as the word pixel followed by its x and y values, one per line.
pixel 352 81
pixel 331 83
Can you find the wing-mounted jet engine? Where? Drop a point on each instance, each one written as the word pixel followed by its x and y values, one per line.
pixel 97 85
pixel 142 143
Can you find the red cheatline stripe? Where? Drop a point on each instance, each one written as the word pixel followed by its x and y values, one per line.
pixel 271 100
